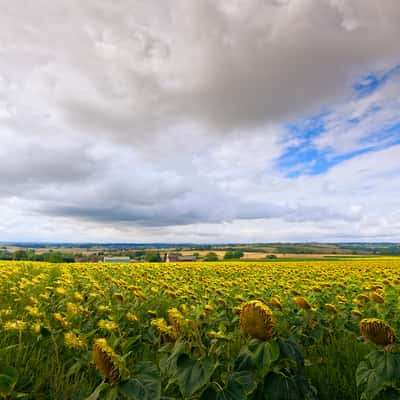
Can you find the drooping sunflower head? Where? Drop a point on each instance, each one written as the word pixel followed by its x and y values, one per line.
pixel 119 297
pixel 377 331
pixel 377 298
pixel 175 319
pixel 356 312
pixel 302 303
pixel 256 320
pixel 106 361
pixel 331 308
pixel 276 302
pixel 167 334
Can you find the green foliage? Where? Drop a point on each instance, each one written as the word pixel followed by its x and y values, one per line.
pixel 8 380
pixel 211 257
pixel 152 256
pixel 232 255
pixel 378 376
pixel 144 385
pixel 192 375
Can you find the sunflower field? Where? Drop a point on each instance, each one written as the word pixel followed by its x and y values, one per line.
pixel 311 330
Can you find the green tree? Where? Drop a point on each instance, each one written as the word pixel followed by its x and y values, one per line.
pixel 152 256
pixel 20 255
pixel 233 255
pixel 211 257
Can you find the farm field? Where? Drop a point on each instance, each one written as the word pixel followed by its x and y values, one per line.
pixel 223 330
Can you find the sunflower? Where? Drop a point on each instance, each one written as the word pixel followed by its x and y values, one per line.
pixel 377 298
pixel 256 320
pixel 73 341
pixel 377 331
pixel 107 362
pixel 302 303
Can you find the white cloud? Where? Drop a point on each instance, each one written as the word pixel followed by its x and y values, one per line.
pixel 362 122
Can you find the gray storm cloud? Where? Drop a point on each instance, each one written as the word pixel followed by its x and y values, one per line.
pixel 164 113
pixel 128 69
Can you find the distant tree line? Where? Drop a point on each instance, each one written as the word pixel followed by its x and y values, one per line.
pixel 31 255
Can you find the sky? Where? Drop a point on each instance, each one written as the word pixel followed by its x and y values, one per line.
pixel 200 120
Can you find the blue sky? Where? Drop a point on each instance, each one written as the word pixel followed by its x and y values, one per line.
pixel 305 157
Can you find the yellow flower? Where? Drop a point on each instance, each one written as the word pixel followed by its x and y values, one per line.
pixel 276 302
pixel 208 308
pixel 331 308
pixel 72 309
pixel 363 297
pixel 60 291
pixel 16 325
pixel 107 325
pixel 217 335
pixel 103 308
pixel 131 317
pixel 152 313
pixel 356 312
pixel 184 308
pixel 237 310
pixel 35 327
pixel 341 299
pixel 73 341
pixel 166 332
pixel 34 311
pixel 79 296
pixel 63 322
pixel 256 320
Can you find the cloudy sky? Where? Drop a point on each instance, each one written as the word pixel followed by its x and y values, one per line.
pixel 200 120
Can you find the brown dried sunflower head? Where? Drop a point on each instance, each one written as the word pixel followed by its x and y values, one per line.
pixel 377 331
pixel 106 360
pixel 256 320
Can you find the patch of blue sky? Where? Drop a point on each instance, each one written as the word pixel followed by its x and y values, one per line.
pixel 301 157
pixel 314 162
pixel 371 82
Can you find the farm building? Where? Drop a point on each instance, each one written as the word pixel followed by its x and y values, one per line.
pixel 170 257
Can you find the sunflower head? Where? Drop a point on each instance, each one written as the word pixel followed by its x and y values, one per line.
pixel 331 308
pixel 106 361
pixel 167 333
pixel 356 312
pixel 256 320
pixel 119 297
pixel 377 298
pixel 302 303
pixel 276 302
pixel 175 319
pixel 377 331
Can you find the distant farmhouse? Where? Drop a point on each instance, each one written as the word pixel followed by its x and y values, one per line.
pixel 116 259
pixel 170 257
